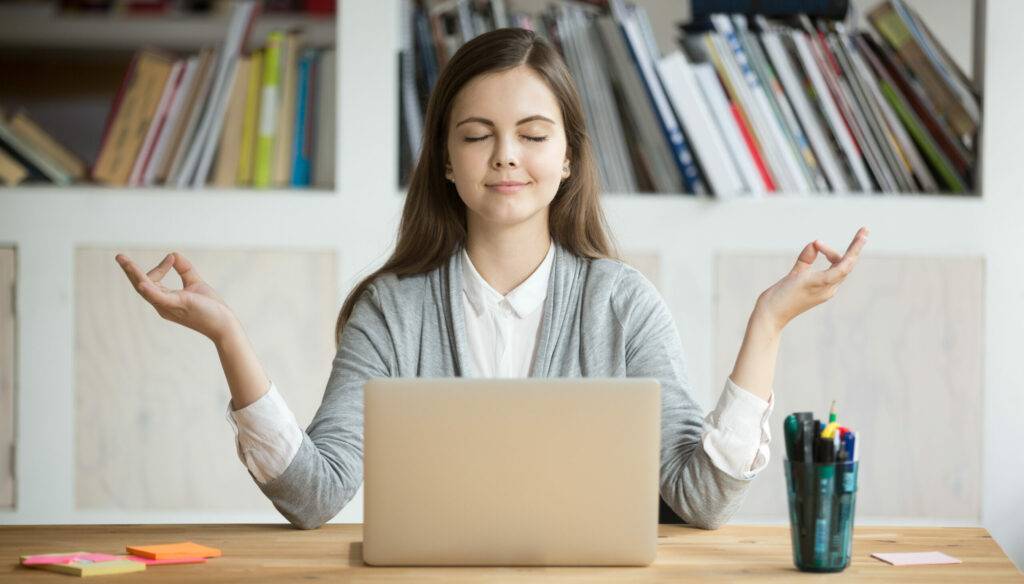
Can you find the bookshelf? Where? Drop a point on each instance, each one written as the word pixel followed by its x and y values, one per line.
pixel 358 219
pixel 28 27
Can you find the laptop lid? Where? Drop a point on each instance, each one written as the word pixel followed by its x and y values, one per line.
pixel 511 471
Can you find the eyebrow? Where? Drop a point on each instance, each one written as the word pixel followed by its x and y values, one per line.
pixel 487 122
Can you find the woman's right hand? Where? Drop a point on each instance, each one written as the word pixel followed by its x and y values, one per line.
pixel 196 306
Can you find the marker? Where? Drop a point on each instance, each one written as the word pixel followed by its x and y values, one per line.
pixel 791 430
pixel 825 472
pixel 833 424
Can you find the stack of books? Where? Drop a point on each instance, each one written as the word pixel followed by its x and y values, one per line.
pixel 223 118
pixel 29 153
pixel 748 106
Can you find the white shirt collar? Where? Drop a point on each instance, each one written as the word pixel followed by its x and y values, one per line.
pixel 524 299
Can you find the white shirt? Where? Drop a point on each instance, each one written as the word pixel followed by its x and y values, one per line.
pixel 502 333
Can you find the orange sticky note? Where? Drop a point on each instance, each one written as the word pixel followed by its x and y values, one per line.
pixel 174 550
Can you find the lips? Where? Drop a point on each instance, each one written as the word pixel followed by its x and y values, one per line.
pixel 507 186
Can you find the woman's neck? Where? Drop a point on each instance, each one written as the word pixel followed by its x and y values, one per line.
pixel 506 257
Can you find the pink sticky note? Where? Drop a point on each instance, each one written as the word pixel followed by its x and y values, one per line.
pixel 65 558
pixel 915 558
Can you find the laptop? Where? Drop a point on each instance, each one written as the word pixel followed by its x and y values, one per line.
pixel 511 472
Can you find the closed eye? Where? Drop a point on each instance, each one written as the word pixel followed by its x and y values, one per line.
pixel 478 138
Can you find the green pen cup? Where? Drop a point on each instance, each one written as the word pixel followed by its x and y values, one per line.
pixel 822 499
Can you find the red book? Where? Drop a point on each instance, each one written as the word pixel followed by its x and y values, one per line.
pixel 769 184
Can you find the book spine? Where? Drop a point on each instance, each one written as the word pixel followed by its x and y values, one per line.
pixel 44 163
pixel 249 129
pixel 268 111
pixel 300 158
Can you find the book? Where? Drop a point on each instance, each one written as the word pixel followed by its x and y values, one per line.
pixel 792 133
pixel 131 116
pixel 188 120
pixel 894 29
pixel 282 169
pixel 200 158
pixel 30 157
pixel 38 139
pixel 326 127
pixel 753 122
pixel 12 173
pixel 304 112
pixel 156 125
pixel 629 19
pixel 163 146
pixel 267 135
pixel 229 148
pixel 811 63
pixel 712 153
pixel 794 86
pixel 726 124
pixel 862 56
pixel 251 120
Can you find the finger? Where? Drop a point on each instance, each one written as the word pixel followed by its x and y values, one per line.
pixel 160 299
pixel 806 258
pixel 158 273
pixel 186 270
pixel 859 239
pixel 134 273
pixel 832 255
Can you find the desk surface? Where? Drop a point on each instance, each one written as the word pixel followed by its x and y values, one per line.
pixel 280 553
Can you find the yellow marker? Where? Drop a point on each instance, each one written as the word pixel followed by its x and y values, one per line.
pixel 833 422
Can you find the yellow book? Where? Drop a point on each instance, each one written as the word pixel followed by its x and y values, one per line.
pixel 252 103
pixel 266 131
pixel 11 172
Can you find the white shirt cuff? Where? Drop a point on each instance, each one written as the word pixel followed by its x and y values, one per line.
pixel 267 435
pixel 736 434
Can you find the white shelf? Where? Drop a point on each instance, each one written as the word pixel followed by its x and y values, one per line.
pixel 22 28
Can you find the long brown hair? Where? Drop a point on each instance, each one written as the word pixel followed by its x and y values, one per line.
pixel 433 224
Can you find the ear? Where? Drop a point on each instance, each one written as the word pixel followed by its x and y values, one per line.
pixel 448 172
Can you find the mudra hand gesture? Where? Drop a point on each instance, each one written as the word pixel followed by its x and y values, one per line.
pixel 803 288
pixel 196 306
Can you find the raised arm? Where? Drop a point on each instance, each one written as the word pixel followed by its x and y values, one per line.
pixel 327 469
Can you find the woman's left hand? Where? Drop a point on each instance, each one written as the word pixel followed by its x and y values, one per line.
pixel 802 289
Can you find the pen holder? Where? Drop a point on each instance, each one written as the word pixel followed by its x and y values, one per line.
pixel 822 498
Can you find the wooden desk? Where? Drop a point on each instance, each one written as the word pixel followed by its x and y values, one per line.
pixel 280 553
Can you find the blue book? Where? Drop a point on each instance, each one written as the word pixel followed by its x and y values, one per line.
pixel 640 50
pixel 303 116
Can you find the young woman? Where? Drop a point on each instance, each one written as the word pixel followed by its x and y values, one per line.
pixel 502 267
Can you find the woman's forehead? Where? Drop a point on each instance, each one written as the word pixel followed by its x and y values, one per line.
pixel 506 97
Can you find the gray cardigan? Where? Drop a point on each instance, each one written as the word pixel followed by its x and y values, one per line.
pixel 601 318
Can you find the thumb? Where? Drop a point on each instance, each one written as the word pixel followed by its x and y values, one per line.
pixel 806 258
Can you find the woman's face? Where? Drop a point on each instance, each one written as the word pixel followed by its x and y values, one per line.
pixel 506 128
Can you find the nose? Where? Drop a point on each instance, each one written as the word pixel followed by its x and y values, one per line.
pixel 504 155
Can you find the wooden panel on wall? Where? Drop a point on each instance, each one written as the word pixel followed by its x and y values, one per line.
pixel 150 395
pixel 900 349
pixel 7 418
